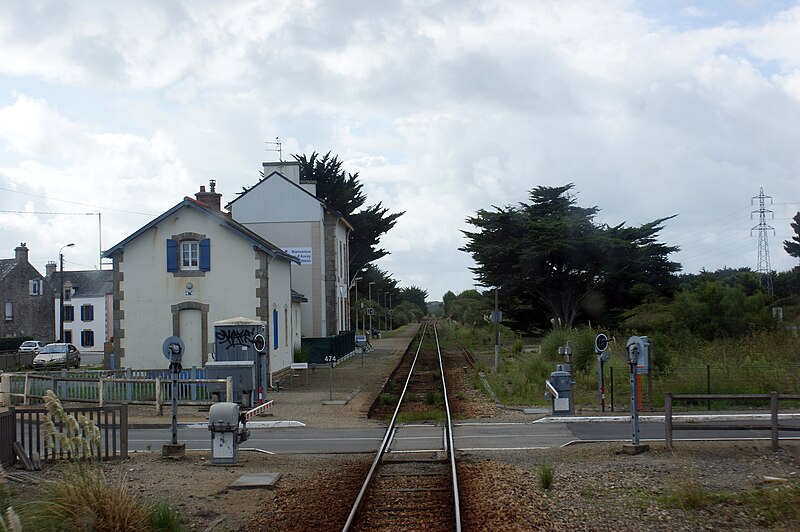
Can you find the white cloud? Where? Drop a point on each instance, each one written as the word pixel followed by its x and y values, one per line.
pixel 444 108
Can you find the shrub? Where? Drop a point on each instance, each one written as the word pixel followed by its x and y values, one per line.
pixel 434 398
pixel 582 341
pixel 163 518
pixel 690 496
pixel 546 474
pixel 775 505
pixel 83 499
pixel 387 399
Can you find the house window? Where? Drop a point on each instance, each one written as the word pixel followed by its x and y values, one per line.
pixel 87 338
pixel 69 313
pixel 87 312
pixel 35 287
pixel 190 255
pixel 9 310
pixel 68 337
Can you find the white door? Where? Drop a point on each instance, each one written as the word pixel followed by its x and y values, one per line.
pixel 192 336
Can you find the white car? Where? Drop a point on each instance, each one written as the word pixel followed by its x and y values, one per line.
pixel 31 346
pixel 57 356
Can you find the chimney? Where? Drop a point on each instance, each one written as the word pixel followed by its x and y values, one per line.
pixel 21 253
pixel 212 199
pixel 50 269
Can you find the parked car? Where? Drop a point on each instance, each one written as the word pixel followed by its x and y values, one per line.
pixel 31 346
pixel 57 356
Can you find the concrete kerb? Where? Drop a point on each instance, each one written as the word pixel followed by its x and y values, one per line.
pixel 690 418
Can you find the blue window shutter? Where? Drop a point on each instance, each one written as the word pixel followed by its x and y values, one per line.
pixel 172 255
pixel 275 329
pixel 205 255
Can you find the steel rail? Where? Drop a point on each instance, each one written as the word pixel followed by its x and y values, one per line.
pixel 450 444
pixel 385 443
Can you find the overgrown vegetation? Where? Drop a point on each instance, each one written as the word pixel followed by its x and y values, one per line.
pixel 690 495
pixel 772 505
pixel 83 498
pixel 757 363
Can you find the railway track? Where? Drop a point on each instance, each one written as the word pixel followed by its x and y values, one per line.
pixel 413 490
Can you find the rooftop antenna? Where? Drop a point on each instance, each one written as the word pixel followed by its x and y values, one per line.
pixel 763 270
pixel 276 146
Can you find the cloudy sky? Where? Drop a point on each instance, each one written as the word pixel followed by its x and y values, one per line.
pixel 652 108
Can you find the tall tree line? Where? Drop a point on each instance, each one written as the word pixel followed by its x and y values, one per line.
pixel 552 262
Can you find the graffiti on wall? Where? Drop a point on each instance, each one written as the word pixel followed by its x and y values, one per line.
pixel 235 336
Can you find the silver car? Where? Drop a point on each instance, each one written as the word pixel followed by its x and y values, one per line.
pixel 31 346
pixel 57 356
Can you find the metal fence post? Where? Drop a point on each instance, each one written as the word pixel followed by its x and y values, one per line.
pixel 708 384
pixel 159 409
pixel 668 420
pixel 194 384
pixel 612 388
pixel 123 432
pixel 773 406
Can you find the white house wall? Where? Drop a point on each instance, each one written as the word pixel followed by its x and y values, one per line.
pixel 342 280
pixel 229 288
pixel 96 325
pixel 290 218
pixel 280 302
pixel 276 200
pixel 306 278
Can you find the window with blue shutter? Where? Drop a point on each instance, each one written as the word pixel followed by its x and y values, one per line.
pixel 172 255
pixel 275 329
pixel 205 255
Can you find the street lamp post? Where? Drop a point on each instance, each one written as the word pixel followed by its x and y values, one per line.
pixel 61 294
pixel 369 293
pixel 385 312
pixel 355 284
pixel 379 311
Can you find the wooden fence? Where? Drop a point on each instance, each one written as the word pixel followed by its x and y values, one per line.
pixel 772 397
pixel 7 438
pixel 112 422
pixel 102 387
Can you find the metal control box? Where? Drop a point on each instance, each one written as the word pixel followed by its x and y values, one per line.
pixel 243 373
pixel 559 388
pixel 226 434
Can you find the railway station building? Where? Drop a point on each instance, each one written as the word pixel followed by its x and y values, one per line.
pixel 191 267
pixel 285 210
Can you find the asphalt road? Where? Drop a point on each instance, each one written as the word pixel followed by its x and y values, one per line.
pixel 467 437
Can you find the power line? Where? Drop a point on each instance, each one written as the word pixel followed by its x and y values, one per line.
pixel 50 213
pixel 74 202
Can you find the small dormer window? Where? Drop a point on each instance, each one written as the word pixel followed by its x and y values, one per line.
pixel 190 255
